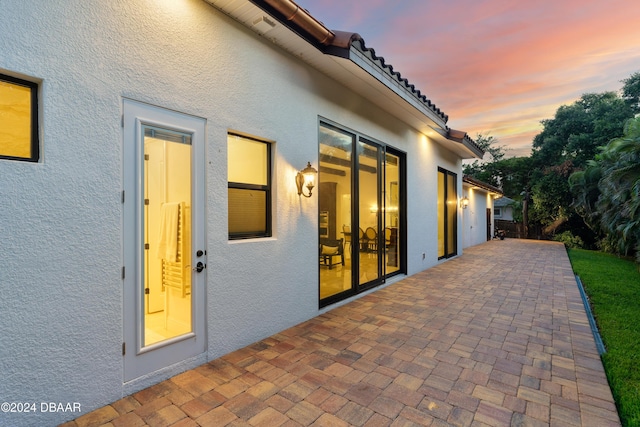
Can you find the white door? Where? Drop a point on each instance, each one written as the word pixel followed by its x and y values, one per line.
pixel 164 238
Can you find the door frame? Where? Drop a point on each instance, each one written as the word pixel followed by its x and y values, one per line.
pixel 488 222
pixel 138 359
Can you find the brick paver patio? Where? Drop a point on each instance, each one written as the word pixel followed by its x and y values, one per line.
pixel 496 337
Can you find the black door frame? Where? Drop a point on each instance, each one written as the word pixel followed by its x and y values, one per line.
pixel 356 288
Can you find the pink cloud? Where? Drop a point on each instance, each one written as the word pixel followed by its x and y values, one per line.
pixel 498 65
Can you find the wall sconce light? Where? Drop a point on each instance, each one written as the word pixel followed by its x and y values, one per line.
pixel 306 178
pixel 464 202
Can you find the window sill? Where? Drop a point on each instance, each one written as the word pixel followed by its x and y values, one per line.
pixel 252 240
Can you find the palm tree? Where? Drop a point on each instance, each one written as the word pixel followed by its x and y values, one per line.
pixel 619 202
pixel 584 186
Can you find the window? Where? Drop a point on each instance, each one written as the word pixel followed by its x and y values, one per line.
pixel 498 212
pixel 249 175
pixel 18 119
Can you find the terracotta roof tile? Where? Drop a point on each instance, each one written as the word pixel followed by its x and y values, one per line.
pixel 337 43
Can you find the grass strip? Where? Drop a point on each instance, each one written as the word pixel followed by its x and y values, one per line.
pixel 613 287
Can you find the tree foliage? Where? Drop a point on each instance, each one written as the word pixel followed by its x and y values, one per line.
pixel 567 144
pixel 570 182
pixel 577 130
pixel 619 201
pixel 631 92
pixel 481 169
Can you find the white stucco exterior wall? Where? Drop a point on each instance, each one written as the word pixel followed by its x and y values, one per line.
pixel 61 321
pixel 474 217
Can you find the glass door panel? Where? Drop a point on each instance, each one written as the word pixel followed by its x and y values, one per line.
pixel 441 214
pixel 167 232
pixel 336 236
pixel 447 214
pixel 361 215
pixel 369 207
pixel 452 215
pixel 392 231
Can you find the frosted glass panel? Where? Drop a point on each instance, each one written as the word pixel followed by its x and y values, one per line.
pixel 248 160
pixel 167 235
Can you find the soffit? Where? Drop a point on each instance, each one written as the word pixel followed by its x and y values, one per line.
pixel 363 72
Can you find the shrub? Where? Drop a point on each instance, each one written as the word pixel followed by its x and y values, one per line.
pixel 569 240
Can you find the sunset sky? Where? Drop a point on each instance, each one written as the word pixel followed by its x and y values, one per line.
pixel 497 67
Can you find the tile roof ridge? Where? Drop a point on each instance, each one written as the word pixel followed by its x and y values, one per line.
pixel 398 76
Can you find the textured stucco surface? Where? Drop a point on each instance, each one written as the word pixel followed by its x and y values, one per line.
pixel 474 217
pixel 61 320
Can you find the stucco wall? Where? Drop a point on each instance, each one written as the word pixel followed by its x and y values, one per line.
pixel 474 217
pixel 61 324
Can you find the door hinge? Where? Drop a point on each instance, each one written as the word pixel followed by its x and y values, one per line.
pixel 122 196
pixel 122 120
pixel 123 275
pixel 146 291
pixel 146 157
pixel 146 201
pixel 124 348
pixel 146 246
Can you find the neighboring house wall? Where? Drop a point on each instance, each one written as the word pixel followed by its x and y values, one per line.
pixel 505 206
pixel 62 218
pixel 505 213
pixel 479 215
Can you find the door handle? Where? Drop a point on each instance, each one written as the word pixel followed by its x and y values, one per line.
pixel 200 266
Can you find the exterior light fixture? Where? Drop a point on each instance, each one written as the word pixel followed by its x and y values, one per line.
pixel 306 178
pixel 464 202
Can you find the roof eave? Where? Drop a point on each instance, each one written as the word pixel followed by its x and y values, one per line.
pixel 483 185
pixel 376 66
pixel 344 57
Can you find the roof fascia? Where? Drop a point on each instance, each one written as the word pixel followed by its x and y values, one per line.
pixel 420 111
pixel 351 46
pixel 465 146
pixel 266 6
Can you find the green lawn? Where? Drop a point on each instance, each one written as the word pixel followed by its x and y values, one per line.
pixel 613 287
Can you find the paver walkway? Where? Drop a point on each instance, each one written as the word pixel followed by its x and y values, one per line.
pixel 497 337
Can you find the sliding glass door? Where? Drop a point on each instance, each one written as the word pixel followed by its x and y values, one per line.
pixel 369 209
pixel 447 214
pixel 338 236
pixel 361 232
pixel 394 229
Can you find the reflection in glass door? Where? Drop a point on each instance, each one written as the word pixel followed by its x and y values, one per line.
pixel 360 213
pixel 447 214
pixel 369 208
pixel 393 231
pixel 338 236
